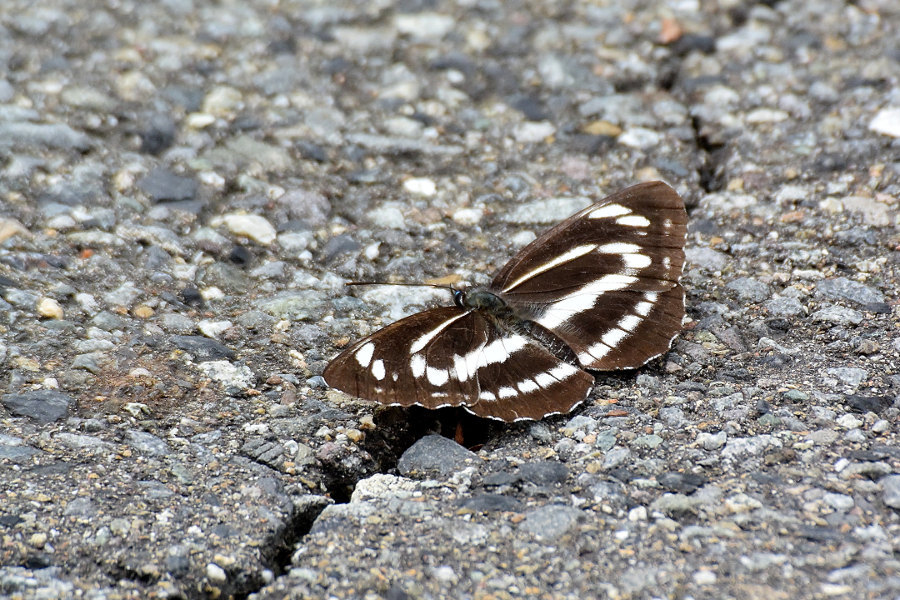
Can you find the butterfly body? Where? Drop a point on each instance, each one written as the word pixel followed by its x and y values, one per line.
pixel 599 291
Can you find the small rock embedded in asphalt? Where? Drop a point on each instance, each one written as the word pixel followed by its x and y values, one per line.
pixel 44 406
pixel 551 521
pixel 434 454
pixel 202 348
pixel 842 288
pixel 891 490
pixel 491 503
pixel 162 185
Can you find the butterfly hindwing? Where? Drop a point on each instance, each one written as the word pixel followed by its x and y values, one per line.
pixel 454 357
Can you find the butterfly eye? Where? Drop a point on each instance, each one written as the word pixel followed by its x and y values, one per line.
pixel 458 297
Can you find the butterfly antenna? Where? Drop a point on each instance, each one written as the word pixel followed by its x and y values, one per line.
pixel 432 285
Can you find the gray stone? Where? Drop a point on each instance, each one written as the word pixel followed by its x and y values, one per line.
pixel 706 258
pixel 162 185
pixel 44 406
pixel 784 306
pixel 747 289
pixel 838 315
pixel 851 376
pixel 842 288
pixel 147 443
pixel 434 454
pixel 551 521
pixel 25 136
pixel 202 348
pixel 890 486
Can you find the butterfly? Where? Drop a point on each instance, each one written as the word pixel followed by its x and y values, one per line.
pixel 600 291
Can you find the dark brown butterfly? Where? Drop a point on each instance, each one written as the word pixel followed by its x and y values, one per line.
pixel 599 291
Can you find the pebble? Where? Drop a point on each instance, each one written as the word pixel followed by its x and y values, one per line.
pixel 230 375
pixel 890 486
pixel 255 227
pixel 202 348
pixel 162 185
pixel 44 406
pixel 388 216
pixel 49 308
pixel 551 521
pixel 850 376
pixel 468 216
pixel 434 454
pixel 837 315
pixel 706 258
pixel 640 137
pixel 784 306
pixel 842 288
pixel 886 122
pixel 747 289
pixel 532 132
pixel 213 329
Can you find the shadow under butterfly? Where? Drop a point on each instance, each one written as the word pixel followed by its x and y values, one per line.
pixel 599 291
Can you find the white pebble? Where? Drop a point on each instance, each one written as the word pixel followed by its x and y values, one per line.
pixel 216 573
pixel 422 186
pixel 388 216
pixel 468 216
pixel 533 132
pixel 639 137
pixel 212 329
pixel 887 122
pixel 49 308
pixel 255 227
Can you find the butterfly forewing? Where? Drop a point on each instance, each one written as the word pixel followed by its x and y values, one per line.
pixel 605 281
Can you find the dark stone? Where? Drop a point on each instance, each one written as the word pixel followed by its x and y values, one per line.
pixel 240 256
pixel 864 404
pixel 434 454
pixel 191 296
pixel 10 520
pixel 311 151
pixel 162 185
pixel 531 107
pixel 44 406
pixel 683 483
pixel 17 454
pixel 202 348
pixel 158 134
pixel 339 245
pixel 491 503
pixel 543 472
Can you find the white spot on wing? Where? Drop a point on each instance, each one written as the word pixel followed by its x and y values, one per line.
pixel 485 395
pixel 364 354
pixel 629 322
pixel 619 248
pixel 565 257
pixel 417 364
pixel 636 261
pixel 423 339
pixel 378 369
pixel 643 308
pixel 609 211
pixel 527 386
pixel 612 337
pixel 507 392
pixel 584 298
pixel 437 376
pixel 633 221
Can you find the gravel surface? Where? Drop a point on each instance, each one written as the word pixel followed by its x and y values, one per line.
pixel 186 185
